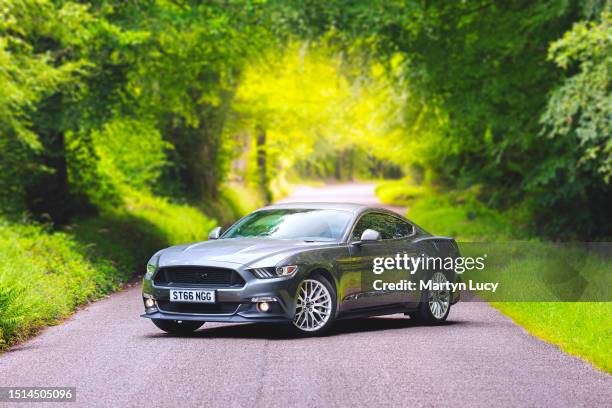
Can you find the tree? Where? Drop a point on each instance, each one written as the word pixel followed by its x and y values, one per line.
pixel 187 76
pixel 40 68
pixel 478 81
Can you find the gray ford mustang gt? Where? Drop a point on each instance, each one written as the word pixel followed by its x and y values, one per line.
pixel 306 264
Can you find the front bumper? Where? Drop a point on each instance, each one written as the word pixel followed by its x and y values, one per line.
pixel 233 304
pixel 236 318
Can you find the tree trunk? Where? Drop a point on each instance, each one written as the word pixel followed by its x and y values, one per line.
pixel 338 166
pixel 48 195
pixel 351 164
pixel 200 149
pixel 207 178
pixel 262 162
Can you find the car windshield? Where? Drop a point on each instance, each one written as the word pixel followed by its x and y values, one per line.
pixel 303 224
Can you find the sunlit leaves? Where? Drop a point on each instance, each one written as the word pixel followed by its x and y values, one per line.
pixel 313 108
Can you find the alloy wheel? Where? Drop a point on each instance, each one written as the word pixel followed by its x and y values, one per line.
pixel 439 300
pixel 314 306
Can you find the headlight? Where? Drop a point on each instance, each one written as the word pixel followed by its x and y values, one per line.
pixel 288 270
pixel 278 272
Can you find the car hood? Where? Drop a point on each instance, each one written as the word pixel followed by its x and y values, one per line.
pixel 244 251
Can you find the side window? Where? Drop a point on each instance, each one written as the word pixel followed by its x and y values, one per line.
pixel 378 222
pixel 363 224
pixel 402 228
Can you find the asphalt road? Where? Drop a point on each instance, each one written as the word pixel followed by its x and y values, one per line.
pixel 480 358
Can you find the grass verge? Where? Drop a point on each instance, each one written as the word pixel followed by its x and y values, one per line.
pixel 46 274
pixel 582 329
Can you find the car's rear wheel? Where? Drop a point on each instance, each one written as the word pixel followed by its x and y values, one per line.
pixel 177 326
pixel 315 307
pixel 435 304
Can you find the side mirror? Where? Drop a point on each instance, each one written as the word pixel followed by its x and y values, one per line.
pixel 215 233
pixel 368 235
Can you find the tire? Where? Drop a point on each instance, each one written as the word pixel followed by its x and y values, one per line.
pixel 315 306
pixel 435 305
pixel 177 326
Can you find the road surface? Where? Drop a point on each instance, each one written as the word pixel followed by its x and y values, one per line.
pixel 480 358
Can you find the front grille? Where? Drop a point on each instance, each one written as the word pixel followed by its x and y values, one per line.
pixel 197 308
pixel 198 275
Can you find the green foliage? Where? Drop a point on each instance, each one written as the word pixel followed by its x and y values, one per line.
pixel 131 153
pixel 28 75
pixel 581 108
pixel 320 117
pixel 12 311
pixel 60 275
pixel 462 216
pixel 239 200
pixel 235 201
pixel 475 84
pixel 400 192
pixel 90 258
pixel 574 171
pixel 94 96
pixel 102 95
pixel 186 75
pixel 173 223
pixel 459 213
pixel 123 154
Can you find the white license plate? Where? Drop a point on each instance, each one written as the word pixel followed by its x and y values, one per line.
pixel 194 296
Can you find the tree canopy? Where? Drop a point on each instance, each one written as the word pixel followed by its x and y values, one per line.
pixel 98 98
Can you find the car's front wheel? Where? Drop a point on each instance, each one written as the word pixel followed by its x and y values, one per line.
pixel 177 326
pixel 435 304
pixel 316 306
